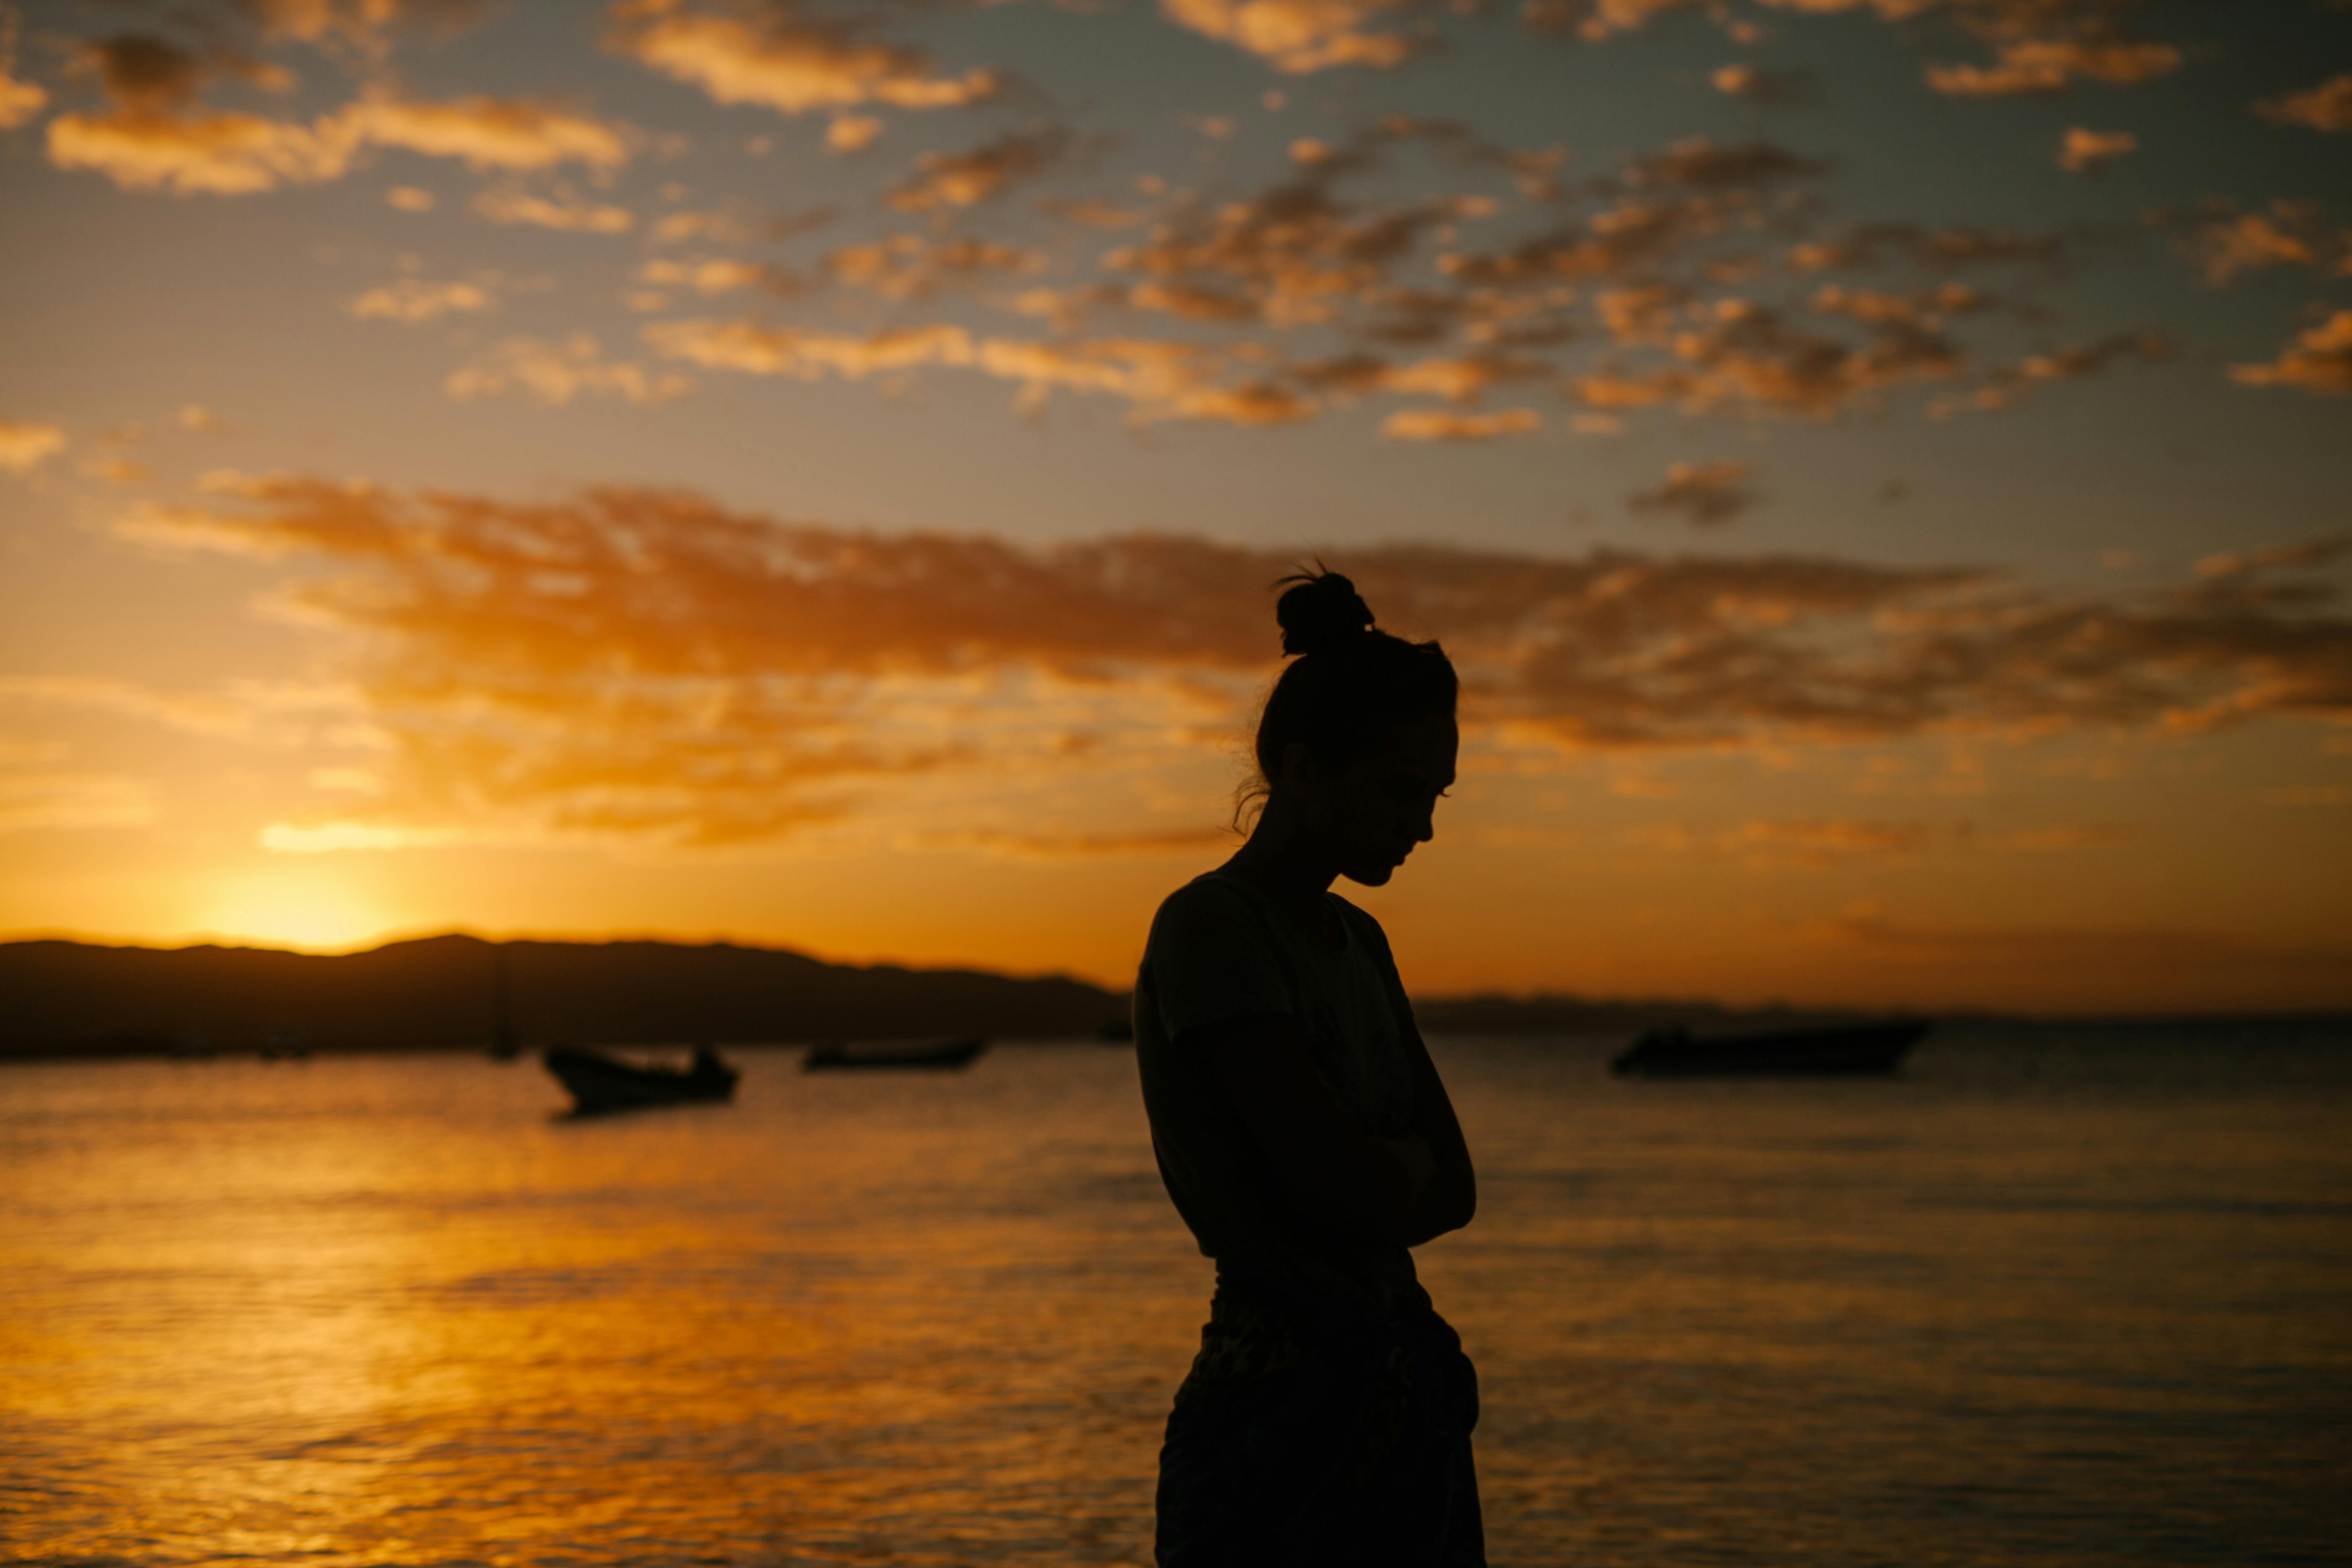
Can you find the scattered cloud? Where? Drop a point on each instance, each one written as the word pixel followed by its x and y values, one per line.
pixel 158 135
pixel 785 61
pixel 410 199
pixel 20 101
pixel 646 665
pixel 2087 835
pixel 2309 794
pixel 710 275
pixel 851 132
pixel 489 134
pixel 54 800
pixel 1756 84
pixel 717 226
pixel 2086 152
pixel 114 470
pixel 566 210
pixel 2318 361
pixel 362 23
pixel 1164 380
pixel 1808 844
pixel 2035 66
pixel 1299 37
pixel 554 373
pixel 415 300
pixel 2007 386
pixel 981 175
pixel 1441 424
pixel 1080 845
pixel 916 266
pixel 24 445
pixel 2225 240
pixel 1698 493
pixel 2327 107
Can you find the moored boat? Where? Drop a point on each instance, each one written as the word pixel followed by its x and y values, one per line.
pixel 946 1056
pixel 1675 1052
pixel 598 1082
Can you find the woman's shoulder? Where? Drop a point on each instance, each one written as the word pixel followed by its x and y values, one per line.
pixel 1215 897
pixel 1365 931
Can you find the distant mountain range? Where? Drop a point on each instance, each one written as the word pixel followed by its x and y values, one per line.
pixel 442 992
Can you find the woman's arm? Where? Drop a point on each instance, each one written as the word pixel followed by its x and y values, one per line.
pixel 1374 1189
pixel 1450 1196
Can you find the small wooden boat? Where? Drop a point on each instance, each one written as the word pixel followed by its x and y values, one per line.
pixel 947 1055
pixel 1675 1052
pixel 598 1082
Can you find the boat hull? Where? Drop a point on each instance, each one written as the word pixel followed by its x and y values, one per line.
pixel 947 1057
pixel 597 1082
pixel 1847 1049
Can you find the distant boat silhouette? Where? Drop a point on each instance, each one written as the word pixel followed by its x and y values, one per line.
pixel 947 1055
pixel 1675 1052
pixel 599 1082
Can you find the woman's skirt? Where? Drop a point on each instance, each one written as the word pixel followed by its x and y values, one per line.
pixel 1309 1433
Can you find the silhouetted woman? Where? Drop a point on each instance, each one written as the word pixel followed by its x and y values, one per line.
pixel 1307 1140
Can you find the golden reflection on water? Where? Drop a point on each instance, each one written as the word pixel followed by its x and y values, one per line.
pixel 388 1310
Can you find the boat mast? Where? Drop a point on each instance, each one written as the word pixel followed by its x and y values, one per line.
pixel 502 1030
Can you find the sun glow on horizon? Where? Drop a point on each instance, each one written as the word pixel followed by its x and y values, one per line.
pixel 307 911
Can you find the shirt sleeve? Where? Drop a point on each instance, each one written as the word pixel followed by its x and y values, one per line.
pixel 1212 961
pixel 1376 942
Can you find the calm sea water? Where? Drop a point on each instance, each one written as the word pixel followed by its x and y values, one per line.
pixel 2063 1297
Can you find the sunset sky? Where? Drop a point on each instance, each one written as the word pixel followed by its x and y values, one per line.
pixel 811 474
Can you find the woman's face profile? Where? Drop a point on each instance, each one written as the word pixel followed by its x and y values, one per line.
pixel 1367 816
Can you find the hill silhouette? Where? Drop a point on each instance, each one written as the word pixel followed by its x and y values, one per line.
pixel 70 998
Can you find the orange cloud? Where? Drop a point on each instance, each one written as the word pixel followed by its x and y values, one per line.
pixel 361 22
pixel 981 175
pixel 1081 845
pixel 566 211
pixel 2007 385
pixel 1757 85
pixel 2327 107
pixel 784 61
pixel 510 134
pixel 74 800
pixel 646 665
pixel 1698 493
pixel 1299 37
pixel 24 446
pixel 554 374
pixel 1813 844
pixel 783 350
pixel 1438 425
pixel 2318 361
pixel 2037 66
pixel 2085 152
pixel 915 267
pixel 20 101
pixel 159 135
pixel 1163 380
pixel 417 299
pixel 2224 240
pixel 851 132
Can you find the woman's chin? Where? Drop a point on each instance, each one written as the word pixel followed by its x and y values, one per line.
pixel 1374 874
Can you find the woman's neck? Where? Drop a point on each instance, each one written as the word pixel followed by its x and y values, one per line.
pixel 1282 861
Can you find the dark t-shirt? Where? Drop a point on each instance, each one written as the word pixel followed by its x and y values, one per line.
pixel 1219 952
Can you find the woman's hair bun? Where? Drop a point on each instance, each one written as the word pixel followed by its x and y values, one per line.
pixel 1320 612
